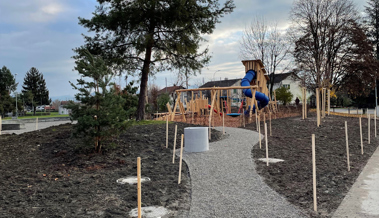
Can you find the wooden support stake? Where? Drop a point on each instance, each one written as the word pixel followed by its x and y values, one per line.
pixel 266 143
pixel 181 158
pixel 210 113
pixel 368 116
pixel 264 117
pixel 37 123
pixel 223 124
pixel 314 172
pixel 318 106
pixel 173 150
pixel 259 131
pixel 243 117
pixel 347 148
pixel 360 129
pixel 303 106
pixel 328 102
pixel 375 122
pixel 139 186
pixel 167 131
pixel 323 101
pixel 270 124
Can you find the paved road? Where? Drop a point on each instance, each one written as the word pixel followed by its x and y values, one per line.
pixel 32 127
pixel 225 184
pixel 352 110
pixel 362 201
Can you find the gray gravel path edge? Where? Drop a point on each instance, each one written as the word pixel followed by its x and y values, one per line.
pixel 225 183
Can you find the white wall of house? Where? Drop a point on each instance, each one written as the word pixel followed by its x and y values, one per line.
pixel 63 110
pixel 295 88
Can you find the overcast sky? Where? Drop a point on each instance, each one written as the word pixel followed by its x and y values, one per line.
pixel 42 34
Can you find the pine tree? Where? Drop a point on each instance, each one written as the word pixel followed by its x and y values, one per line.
pixel 36 85
pixel 100 113
pixel 372 21
pixel 7 85
pixel 145 36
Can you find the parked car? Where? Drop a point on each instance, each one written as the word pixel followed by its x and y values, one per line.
pixel 40 108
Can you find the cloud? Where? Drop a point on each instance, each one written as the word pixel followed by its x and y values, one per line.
pixel 23 12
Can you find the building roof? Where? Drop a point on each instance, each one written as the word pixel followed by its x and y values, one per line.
pixel 220 83
pixel 169 89
pixel 280 77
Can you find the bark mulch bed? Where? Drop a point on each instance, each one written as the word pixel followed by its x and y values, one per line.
pixel 291 141
pixel 43 174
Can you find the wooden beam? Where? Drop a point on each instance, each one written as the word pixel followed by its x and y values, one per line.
pixel 217 88
pixel 210 113
pixel 176 104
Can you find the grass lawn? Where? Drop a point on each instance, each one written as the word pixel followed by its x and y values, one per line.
pixel 39 115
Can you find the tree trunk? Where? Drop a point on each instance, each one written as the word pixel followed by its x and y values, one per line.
pixel 272 84
pixel 143 87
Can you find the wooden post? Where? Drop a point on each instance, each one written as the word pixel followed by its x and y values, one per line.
pixel 210 113
pixel 305 105
pixel 375 122
pixel 347 148
pixel 328 102
pixel 368 116
pixel 181 158
pixel 360 130
pixel 176 104
pixel 264 117
pixel 173 150
pixel 243 117
pixel 37 123
pixel 323 102
pixel 259 131
pixel 314 172
pixel 302 105
pixel 223 124
pixel 139 186
pixel 256 120
pixel 266 143
pixel 167 131
pixel 270 124
pixel 318 106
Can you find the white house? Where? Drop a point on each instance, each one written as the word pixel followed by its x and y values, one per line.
pixel 293 82
pixel 171 91
pixel 235 94
pixel 62 109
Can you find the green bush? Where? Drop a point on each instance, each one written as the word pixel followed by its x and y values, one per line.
pixel 284 95
pixel 163 99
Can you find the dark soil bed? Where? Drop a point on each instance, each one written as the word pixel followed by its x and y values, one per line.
pixel 44 175
pixel 291 141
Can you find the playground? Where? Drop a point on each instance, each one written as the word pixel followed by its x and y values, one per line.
pixel 268 167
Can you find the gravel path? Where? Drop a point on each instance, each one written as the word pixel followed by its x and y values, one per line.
pixel 225 184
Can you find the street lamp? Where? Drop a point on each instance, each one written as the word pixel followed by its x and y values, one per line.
pixel 15 77
pixel 215 74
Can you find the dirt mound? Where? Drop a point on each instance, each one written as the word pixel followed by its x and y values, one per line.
pixel 43 174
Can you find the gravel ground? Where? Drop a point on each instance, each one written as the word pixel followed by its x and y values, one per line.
pixel 225 183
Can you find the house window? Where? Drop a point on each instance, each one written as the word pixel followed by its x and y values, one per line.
pixel 234 91
pixel 286 86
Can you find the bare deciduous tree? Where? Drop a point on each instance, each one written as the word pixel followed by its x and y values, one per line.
pixel 153 96
pixel 266 42
pixel 56 103
pixel 321 30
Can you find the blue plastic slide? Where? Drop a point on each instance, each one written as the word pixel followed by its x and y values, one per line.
pixel 261 98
